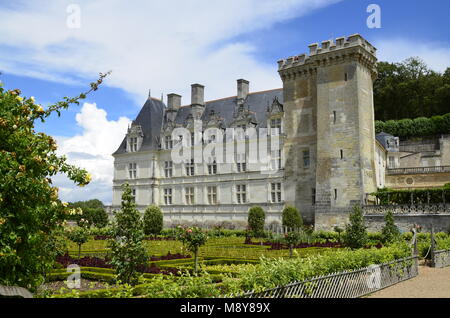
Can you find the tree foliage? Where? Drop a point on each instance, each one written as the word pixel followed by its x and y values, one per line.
pixel 127 249
pixel 390 231
pixel 410 89
pixel 192 238
pixel 356 232
pixel 153 220
pixel 93 212
pixel 256 220
pixel 291 218
pixel 30 211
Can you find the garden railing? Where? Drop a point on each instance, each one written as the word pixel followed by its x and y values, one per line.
pixel 441 258
pixel 350 284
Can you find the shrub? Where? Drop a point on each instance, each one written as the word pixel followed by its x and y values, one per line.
pixel 127 250
pixel 355 232
pixel 291 218
pixel 153 220
pixel 279 272
pixel 390 231
pixel 256 220
pixel 30 211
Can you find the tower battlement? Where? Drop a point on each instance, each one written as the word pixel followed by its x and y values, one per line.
pixel 327 46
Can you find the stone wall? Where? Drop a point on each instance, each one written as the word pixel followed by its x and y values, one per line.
pixel 405 216
pixel 441 222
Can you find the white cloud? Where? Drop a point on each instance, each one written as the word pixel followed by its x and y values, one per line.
pixel 162 45
pixel 92 151
pixel 435 54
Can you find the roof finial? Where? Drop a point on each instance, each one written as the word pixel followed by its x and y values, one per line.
pixel 162 97
pixel 149 93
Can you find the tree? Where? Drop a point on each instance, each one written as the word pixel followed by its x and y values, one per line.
pixel 128 252
pixel 338 230
pixel 390 231
pixel 291 218
pixel 30 211
pixel 355 232
pixel 93 211
pixel 79 236
pixel 153 220
pixel 192 238
pixel 292 238
pixel 256 220
pixel 410 89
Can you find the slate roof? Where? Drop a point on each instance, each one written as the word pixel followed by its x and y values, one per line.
pixel 151 119
pixel 382 139
pixel 151 115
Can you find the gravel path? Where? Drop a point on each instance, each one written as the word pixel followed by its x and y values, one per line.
pixel 430 283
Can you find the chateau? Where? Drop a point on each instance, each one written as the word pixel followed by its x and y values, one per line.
pixel 310 144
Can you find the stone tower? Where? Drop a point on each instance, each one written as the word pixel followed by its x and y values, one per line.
pixel 330 135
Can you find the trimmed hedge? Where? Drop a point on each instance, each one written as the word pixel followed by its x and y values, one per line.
pixel 388 196
pixel 418 127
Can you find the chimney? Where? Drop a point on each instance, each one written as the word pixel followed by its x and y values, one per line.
pixel 173 101
pixel 242 89
pixel 197 94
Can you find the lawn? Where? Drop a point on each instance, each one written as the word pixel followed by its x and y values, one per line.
pixel 222 247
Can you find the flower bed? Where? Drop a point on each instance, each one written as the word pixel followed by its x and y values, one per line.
pixel 148 238
pixel 87 261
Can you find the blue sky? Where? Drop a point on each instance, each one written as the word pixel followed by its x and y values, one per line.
pixel 167 45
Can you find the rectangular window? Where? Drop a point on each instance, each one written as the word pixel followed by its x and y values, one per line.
pixel 241 163
pixel 212 195
pixel 133 195
pixel 275 192
pixel 334 117
pixel 275 127
pixel 189 196
pixel 335 194
pixel 132 170
pixel 168 142
pixel 346 77
pixel 313 196
pixel 342 154
pixel 190 170
pixel 192 139
pixel 168 165
pixel 241 193
pixel 167 196
pixel 212 168
pixel 306 159
pixel 391 162
pixel 275 159
pixel 133 144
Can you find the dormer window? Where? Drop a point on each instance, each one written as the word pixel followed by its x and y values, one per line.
pixel 168 144
pixel 135 137
pixel 275 127
pixel 133 144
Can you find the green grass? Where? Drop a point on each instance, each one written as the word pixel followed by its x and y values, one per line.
pixel 226 247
